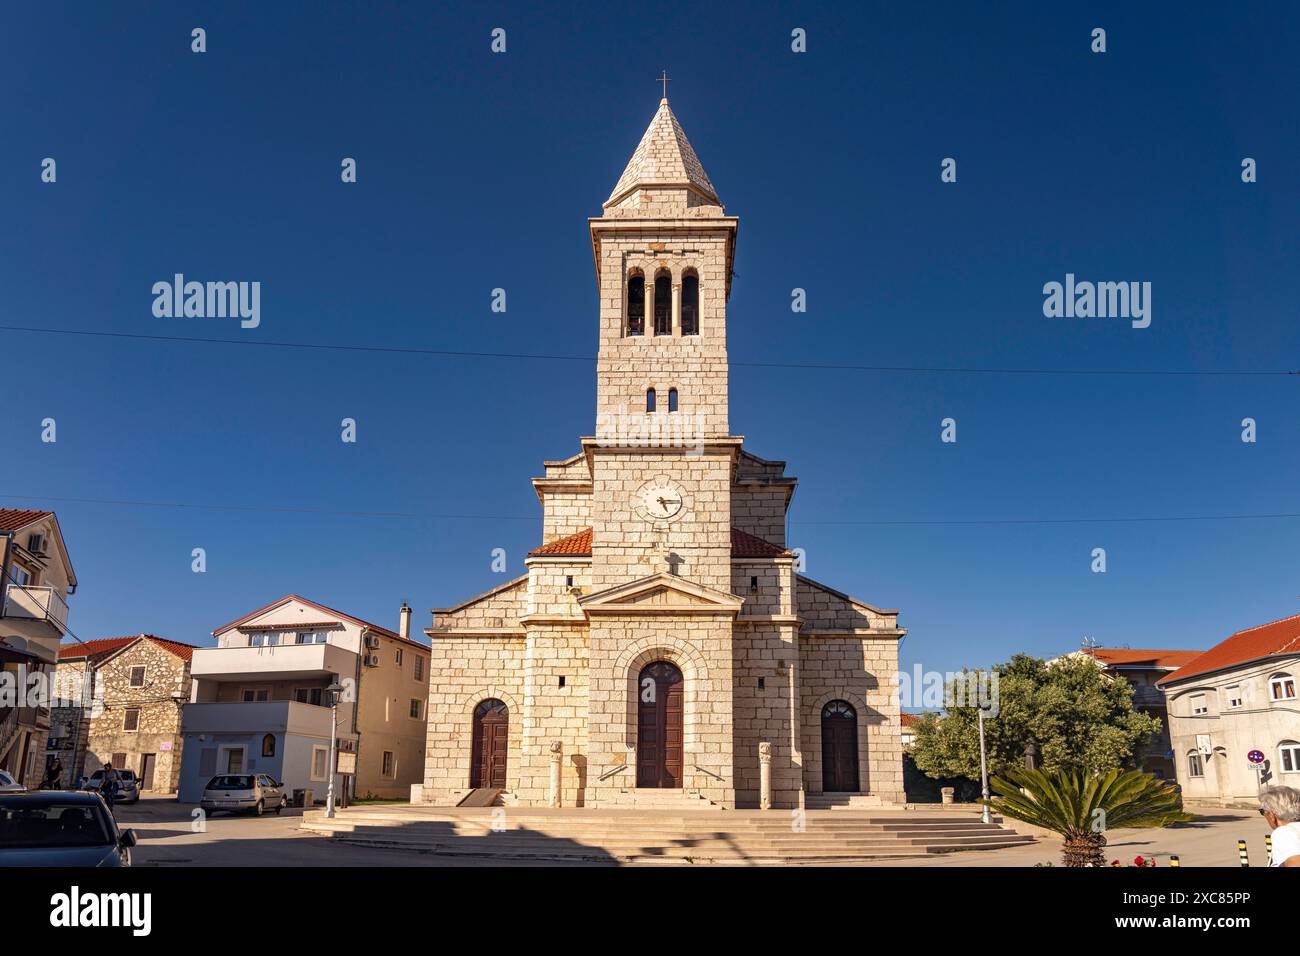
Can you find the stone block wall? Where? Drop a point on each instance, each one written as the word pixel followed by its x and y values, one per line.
pixel 463 671
pixel 863 671
pixel 555 713
pixel 770 712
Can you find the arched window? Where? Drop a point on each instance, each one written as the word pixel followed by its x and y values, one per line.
pixel 636 304
pixel 268 745
pixel 691 304
pixel 1288 752
pixel 1195 768
pixel 672 399
pixel 1281 687
pixel 663 304
pixel 649 399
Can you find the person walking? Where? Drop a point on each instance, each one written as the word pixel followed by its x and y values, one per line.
pixel 108 789
pixel 1280 806
pixel 54 774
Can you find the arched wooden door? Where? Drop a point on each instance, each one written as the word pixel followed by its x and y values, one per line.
pixel 491 740
pixel 659 726
pixel 839 748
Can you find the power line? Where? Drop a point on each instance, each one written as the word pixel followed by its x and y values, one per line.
pixel 426 515
pixel 543 357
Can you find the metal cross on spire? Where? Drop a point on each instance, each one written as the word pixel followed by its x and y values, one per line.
pixel 665 79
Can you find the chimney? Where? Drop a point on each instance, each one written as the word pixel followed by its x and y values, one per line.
pixel 405 628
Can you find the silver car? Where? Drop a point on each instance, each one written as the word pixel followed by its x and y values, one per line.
pixel 243 791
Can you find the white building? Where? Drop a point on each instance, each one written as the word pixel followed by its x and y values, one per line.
pixel 1238 697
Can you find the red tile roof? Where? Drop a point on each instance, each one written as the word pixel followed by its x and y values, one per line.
pixel 574 544
pixel 1121 656
pixel 102 647
pixel 1278 637
pixel 743 545
pixel 244 625
pixel 11 519
pixel 910 719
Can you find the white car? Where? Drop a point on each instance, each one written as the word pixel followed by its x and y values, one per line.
pixel 127 789
pixel 244 791
pixel 8 784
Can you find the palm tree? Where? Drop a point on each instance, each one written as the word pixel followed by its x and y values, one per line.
pixel 1082 806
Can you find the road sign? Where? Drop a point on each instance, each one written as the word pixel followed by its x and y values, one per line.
pixel 1255 756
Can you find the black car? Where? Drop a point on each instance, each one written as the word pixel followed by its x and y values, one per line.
pixel 61 828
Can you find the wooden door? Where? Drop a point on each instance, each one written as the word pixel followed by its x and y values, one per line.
pixel 146 771
pixel 839 748
pixel 490 743
pixel 659 726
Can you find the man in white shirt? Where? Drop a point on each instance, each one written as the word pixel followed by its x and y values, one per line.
pixel 1280 806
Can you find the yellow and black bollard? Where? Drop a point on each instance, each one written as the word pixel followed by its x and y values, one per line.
pixel 1242 854
pixel 1173 860
pixel 1268 844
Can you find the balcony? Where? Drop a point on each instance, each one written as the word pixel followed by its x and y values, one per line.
pixel 274 716
pixel 41 604
pixel 277 662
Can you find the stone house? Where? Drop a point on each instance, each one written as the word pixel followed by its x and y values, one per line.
pixel 1238 698
pixel 36 578
pixel 663 648
pixel 123 698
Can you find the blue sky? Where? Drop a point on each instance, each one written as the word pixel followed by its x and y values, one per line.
pixel 478 171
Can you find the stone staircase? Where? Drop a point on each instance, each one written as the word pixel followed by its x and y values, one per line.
pixel 843 801
pixel 668 836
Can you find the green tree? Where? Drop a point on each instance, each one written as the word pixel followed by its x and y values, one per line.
pixel 1079 718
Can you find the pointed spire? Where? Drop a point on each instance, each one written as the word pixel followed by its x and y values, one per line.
pixel 664 158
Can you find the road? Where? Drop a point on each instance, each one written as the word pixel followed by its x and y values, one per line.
pixel 170 836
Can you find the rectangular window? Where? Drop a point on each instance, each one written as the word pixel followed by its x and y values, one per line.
pixel 311 637
pixel 415 708
pixel 264 640
pixel 119 761
pixel 1199 705
pixel 389 763
pixel 254 695
pixel 131 719
pixel 399 657
pixel 1282 687
pixel 19 576
pixel 1194 765
pixel 320 761
pixel 419 667
pixel 137 676
pixel 1233 693
pixel 1290 754
pixel 309 695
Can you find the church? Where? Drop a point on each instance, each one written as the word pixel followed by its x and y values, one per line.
pixel 663 649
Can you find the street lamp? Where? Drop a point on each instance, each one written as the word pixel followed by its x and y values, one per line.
pixel 984 766
pixel 333 690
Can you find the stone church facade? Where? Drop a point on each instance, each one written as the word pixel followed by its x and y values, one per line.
pixel 663 649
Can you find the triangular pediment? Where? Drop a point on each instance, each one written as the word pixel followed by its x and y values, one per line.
pixel 660 593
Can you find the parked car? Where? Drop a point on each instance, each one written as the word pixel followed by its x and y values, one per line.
pixel 128 785
pixel 61 828
pixel 243 791
pixel 8 784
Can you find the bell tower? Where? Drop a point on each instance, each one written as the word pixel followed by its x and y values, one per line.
pixel 663 250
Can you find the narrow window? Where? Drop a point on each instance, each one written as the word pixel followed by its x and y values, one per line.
pixel 388 763
pixel 691 305
pixel 561 680
pixel 663 305
pixel 1194 766
pixel 415 708
pixel 268 745
pixel 762 683
pixel 753 584
pixel 672 399
pixel 636 305
pixel 419 667
pixel 137 676
pixel 649 399
pixel 131 719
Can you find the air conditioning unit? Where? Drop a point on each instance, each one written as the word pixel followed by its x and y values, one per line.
pixel 372 642
pixel 371 660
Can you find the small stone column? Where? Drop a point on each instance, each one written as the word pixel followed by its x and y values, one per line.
pixel 946 794
pixel 648 325
pixel 677 308
pixel 557 752
pixel 765 776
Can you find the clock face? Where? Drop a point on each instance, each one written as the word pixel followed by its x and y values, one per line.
pixel 661 500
